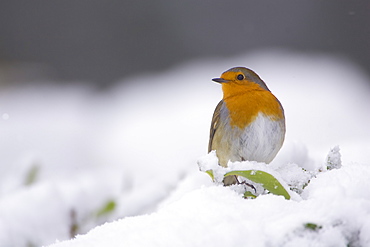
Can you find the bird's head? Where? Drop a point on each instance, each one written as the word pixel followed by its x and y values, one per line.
pixel 240 78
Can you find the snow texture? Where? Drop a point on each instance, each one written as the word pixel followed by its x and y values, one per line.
pixel 67 152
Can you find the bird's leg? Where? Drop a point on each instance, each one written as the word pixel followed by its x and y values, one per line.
pixel 247 184
pixel 244 182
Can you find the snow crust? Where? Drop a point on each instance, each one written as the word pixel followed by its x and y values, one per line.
pixel 67 152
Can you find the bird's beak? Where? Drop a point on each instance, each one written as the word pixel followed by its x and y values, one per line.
pixel 219 80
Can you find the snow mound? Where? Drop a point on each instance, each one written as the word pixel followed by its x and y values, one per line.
pixel 334 212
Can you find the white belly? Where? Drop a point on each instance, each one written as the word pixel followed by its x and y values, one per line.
pixel 260 141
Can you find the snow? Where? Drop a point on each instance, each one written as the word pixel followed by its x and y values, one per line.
pixel 333 160
pixel 68 151
pixel 218 216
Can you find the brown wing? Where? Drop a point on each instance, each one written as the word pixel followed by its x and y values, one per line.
pixel 214 125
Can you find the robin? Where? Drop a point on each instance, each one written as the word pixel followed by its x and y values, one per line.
pixel 248 123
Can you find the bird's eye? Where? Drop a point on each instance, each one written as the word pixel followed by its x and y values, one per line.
pixel 240 77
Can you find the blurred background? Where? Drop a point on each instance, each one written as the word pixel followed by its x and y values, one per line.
pixel 100 42
pixel 105 106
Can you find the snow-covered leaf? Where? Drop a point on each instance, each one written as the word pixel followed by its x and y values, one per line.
pixel 268 181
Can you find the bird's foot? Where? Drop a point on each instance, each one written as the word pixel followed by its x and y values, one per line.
pixel 247 184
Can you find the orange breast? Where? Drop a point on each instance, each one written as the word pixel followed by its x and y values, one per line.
pixel 244 102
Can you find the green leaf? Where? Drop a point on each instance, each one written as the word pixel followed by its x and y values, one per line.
pixel 210 173
pixel 312 226
pixel 32 175
pixel 249 194
pixel 107 208
pixel 268 181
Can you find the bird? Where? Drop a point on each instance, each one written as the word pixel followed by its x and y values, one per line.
pixel 248 124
